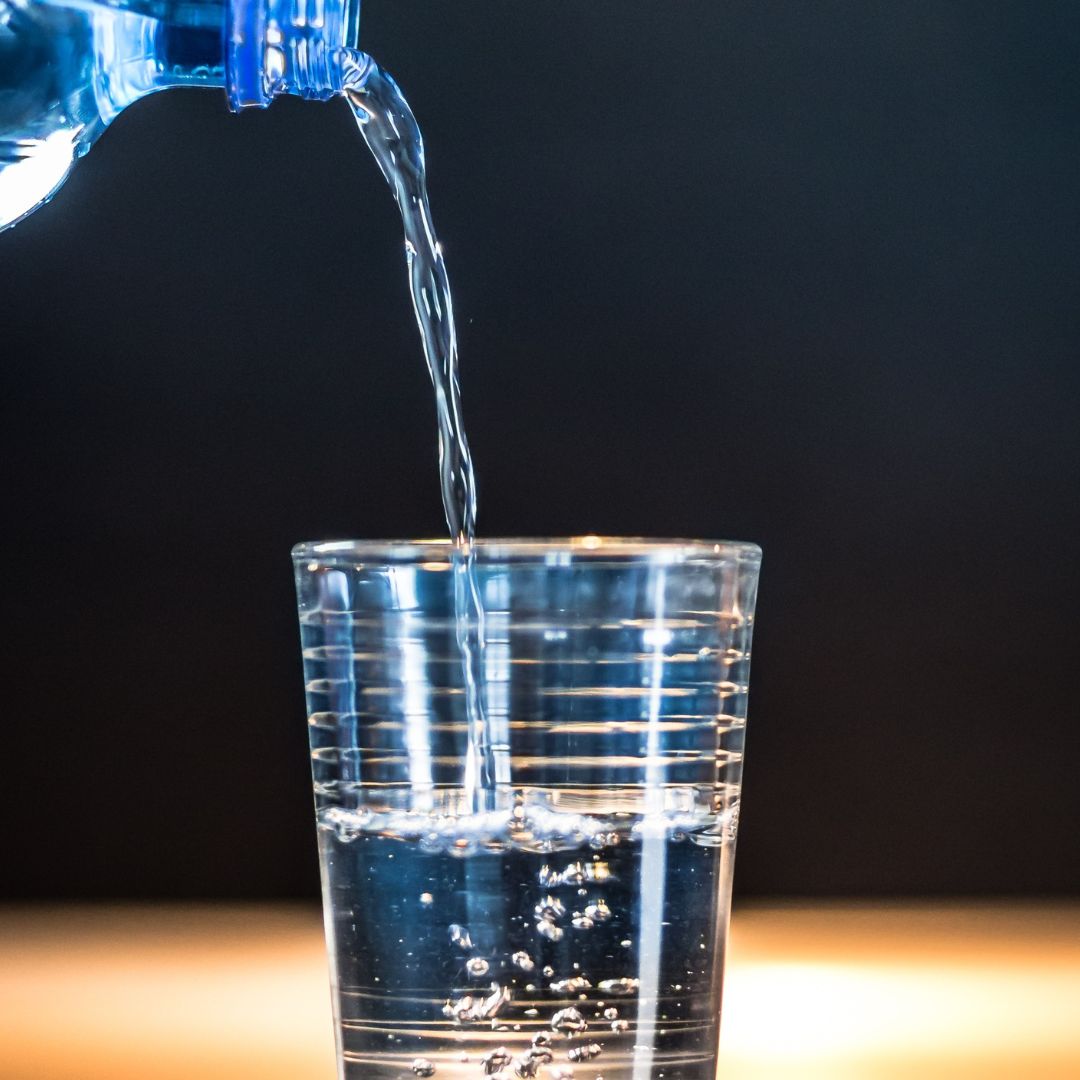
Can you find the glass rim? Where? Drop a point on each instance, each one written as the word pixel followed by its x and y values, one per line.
pixel 587 547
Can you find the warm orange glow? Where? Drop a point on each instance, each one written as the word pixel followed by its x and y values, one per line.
pixel 825 993
pixel 882 992
pixel 213 994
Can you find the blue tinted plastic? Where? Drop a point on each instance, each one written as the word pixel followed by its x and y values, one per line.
pixel 67 69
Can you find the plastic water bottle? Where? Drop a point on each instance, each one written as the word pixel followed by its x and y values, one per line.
pixel 67 67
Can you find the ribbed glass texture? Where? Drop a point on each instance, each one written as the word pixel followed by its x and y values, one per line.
pixel 613 678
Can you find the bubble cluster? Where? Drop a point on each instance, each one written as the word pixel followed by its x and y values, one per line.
pixel 599 841
pixel 492 1005
pixel 534 827
pixel 468 1009
pixel 547 929
pixel 549 908
pixel 598 911
pixel 564 905
pixel 576 873
pixel 462 1011
pixel 586 1052
pixel 423 1067
pixel 568 1022
pixel 527 1064
pixel 496 1060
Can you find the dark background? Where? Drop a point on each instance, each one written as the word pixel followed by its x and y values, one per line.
pixel 804 274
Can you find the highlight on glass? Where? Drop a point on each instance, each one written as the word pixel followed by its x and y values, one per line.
pixel 527 844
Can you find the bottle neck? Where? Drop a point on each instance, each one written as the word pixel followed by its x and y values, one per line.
pixel 254 49
pixel 287 47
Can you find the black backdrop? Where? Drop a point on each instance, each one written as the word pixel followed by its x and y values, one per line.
pixel 805 274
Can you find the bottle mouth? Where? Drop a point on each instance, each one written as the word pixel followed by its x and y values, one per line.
pixel 287 46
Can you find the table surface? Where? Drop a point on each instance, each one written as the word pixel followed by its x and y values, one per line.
pixel 837 991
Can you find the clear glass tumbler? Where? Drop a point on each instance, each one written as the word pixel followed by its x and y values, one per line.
pixel 573 914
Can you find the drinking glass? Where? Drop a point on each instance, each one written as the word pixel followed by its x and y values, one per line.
pixel 527 760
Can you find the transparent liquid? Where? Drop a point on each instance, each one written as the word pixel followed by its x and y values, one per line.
pixel 393 136
pixel 477 926
pixel 465 949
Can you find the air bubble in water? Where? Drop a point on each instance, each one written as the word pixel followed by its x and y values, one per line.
pixel 528 1063
pixel 604 840
pixel 427 899
pixel 463 847
pixel 423 1067
pixel 477 967
pixel 568 1022
pixel 619 1026
pixel 572 985
pixel 523 960
pixel 549 971
pixel 585 1053
pixel 619 986
pixel 459 936
pixel 549 930
pixel 581 922
pixel 491 1005
pixel 463 1011
pixel 611 1014
pixel 575 874
pixel 549 908
pixel 496 1060
pixel 626 943
pixel 598 911
pixel 431 843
